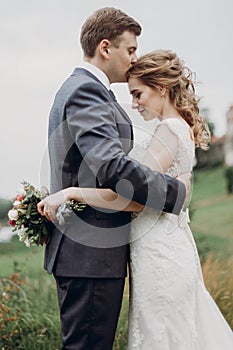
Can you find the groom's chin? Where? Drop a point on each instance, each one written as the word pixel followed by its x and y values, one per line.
pixel 124 78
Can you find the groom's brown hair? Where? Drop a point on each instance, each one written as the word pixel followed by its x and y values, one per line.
pixel 106 23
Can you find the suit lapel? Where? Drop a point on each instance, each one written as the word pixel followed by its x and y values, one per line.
pixel 124 114
pixel 117 105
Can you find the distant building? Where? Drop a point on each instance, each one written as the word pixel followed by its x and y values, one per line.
pixel 229 138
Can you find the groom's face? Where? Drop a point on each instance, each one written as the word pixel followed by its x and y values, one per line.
pixel 122 57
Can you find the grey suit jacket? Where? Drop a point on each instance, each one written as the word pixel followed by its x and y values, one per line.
pixel 90 136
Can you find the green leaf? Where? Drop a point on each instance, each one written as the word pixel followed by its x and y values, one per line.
pixel 28 211
pixel 36 222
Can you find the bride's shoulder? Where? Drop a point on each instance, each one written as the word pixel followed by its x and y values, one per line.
pixel 174 125
pixel 174 122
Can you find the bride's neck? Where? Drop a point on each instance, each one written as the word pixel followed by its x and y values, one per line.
pixel 169 111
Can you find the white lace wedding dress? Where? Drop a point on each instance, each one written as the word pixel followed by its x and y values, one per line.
pixel 170 308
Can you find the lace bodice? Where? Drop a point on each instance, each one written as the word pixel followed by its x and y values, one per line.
pixel 170 308
pixel 183 161
pixel 156 245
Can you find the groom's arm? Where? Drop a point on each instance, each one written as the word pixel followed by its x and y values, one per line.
pixel 92 123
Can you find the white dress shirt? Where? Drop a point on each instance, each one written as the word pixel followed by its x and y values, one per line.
pixel 98 73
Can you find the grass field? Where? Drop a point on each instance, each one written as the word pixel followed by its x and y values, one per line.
pixel 211 214
pixel 28 306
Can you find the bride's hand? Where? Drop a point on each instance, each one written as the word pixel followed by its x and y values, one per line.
pixel 48 206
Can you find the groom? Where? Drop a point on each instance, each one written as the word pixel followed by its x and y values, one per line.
pixel 90 136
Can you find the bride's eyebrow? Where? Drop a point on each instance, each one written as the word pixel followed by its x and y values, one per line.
pixel 134 91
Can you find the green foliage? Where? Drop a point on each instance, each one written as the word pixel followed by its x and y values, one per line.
pixel 211 219
pixel 213 157
pixel 229 179
pixel 120 342
pixel 219 247
pixel 211 127
pixel 28 314
pixel 16 257
pixel 209 185
pixel 211 205
pixel 32 227
pixel 229 172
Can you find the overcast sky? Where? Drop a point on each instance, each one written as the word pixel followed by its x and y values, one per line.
pixel 40 47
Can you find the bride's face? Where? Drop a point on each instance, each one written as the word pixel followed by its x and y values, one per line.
pixel 145 99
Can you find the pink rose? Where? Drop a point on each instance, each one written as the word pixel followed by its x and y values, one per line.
pixel 12 222
pixel 19 197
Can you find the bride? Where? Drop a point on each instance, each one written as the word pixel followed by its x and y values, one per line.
pixel 170 308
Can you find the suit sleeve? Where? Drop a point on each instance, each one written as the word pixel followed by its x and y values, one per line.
pixel 92 122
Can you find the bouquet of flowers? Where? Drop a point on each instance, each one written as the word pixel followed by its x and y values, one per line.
pixel 33 228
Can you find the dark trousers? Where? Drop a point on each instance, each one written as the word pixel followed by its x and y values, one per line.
pixel 89 311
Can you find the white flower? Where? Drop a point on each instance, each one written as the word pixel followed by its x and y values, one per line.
pixel 16 203
pixel 13 214
pixel 28 243
pixel 21 233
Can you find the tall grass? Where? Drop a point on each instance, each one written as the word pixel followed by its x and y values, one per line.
pixel 29 313
pixel 218 277
pixel 122 328
pixel 29 316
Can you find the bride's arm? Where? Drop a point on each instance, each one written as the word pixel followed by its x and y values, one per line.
pixel 159 157
pixel 162 152
pixel 101 198
pixel 162 149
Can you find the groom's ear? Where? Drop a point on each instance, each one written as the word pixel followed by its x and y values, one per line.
pixel 104 48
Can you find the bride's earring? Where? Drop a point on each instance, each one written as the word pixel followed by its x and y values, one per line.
pixel 163 92
pixel 163 95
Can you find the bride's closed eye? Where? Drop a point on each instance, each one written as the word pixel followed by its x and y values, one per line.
pixel 137 95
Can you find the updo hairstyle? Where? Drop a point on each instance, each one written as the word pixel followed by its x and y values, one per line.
pixel 163 68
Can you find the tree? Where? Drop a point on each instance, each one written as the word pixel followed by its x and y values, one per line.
pixel 229 178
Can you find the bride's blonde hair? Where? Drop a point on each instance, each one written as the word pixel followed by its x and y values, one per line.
pixel 163 68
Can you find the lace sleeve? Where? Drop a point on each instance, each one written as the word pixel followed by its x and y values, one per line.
pixel 163 148
pixel 184 157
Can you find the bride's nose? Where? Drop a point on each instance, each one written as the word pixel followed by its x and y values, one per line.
pixel 135 104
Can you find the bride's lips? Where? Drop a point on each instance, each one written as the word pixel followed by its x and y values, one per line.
pixel 141 111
